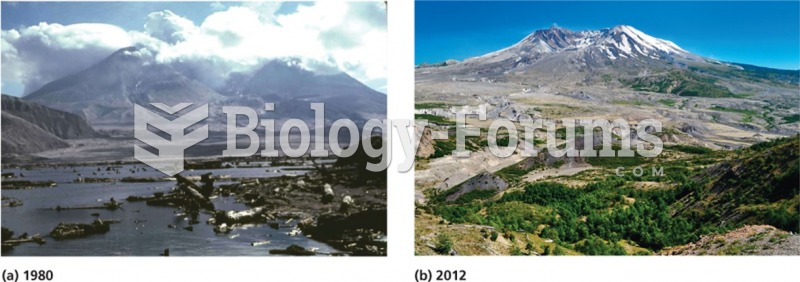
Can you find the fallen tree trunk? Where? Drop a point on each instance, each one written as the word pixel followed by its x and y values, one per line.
pixel 105 206
pixel 193 191
pixel 31 239
pixel 254 215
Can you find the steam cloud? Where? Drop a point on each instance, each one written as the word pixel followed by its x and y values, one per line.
pixel 324 37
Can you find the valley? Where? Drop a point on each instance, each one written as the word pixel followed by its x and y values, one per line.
pixel 68 151
pixel 730 134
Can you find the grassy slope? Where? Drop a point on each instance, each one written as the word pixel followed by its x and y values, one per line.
pixel 700 190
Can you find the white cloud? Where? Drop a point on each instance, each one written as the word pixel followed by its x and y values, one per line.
pixel 266 10
pixel 217 6
pixel 41 53
pixel 326 37
pixel 169 27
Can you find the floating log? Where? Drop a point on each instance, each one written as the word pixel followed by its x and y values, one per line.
pixel 25 184
pixel 254 215
pixel 113 205
pixel 294 232
pixel 146 179
pixel 94 180
pixel 78 230
pixel 27 239
pixel 192 190
pixel 259 243
pixel 139 198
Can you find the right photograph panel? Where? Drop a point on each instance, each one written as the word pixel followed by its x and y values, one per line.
pixel 624 128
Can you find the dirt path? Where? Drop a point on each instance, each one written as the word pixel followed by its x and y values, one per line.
pixel 446 172
pixel 537 175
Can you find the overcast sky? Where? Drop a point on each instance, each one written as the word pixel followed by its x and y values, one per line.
pixel 45 41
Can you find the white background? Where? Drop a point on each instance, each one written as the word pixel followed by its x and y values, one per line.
pixel 401 263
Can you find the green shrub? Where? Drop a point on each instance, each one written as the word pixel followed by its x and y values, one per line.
pixel 435 119
pixel 691 149
pixel 494 235
pixel 516 251
pixel 475 195
pixel 596 246
pixel 443 244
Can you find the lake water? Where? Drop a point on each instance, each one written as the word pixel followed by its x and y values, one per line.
pixel 143 230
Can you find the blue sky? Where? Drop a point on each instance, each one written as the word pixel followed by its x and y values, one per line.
pixel 764 33
pixel 127 15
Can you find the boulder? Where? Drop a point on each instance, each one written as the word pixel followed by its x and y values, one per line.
pixel 293 250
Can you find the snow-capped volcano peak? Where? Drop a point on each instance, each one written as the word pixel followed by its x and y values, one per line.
pixel 555 39
pixel 619 42
pixel 630 41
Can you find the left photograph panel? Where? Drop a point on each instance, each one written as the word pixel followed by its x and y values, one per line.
pixel 193 128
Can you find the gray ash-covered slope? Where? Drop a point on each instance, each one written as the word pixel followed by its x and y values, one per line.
pixel 59 123
pixel 483 181
pixel 105 92
pixel 22 137
pixel 619 54
pixel 30 128
pixel 293 88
